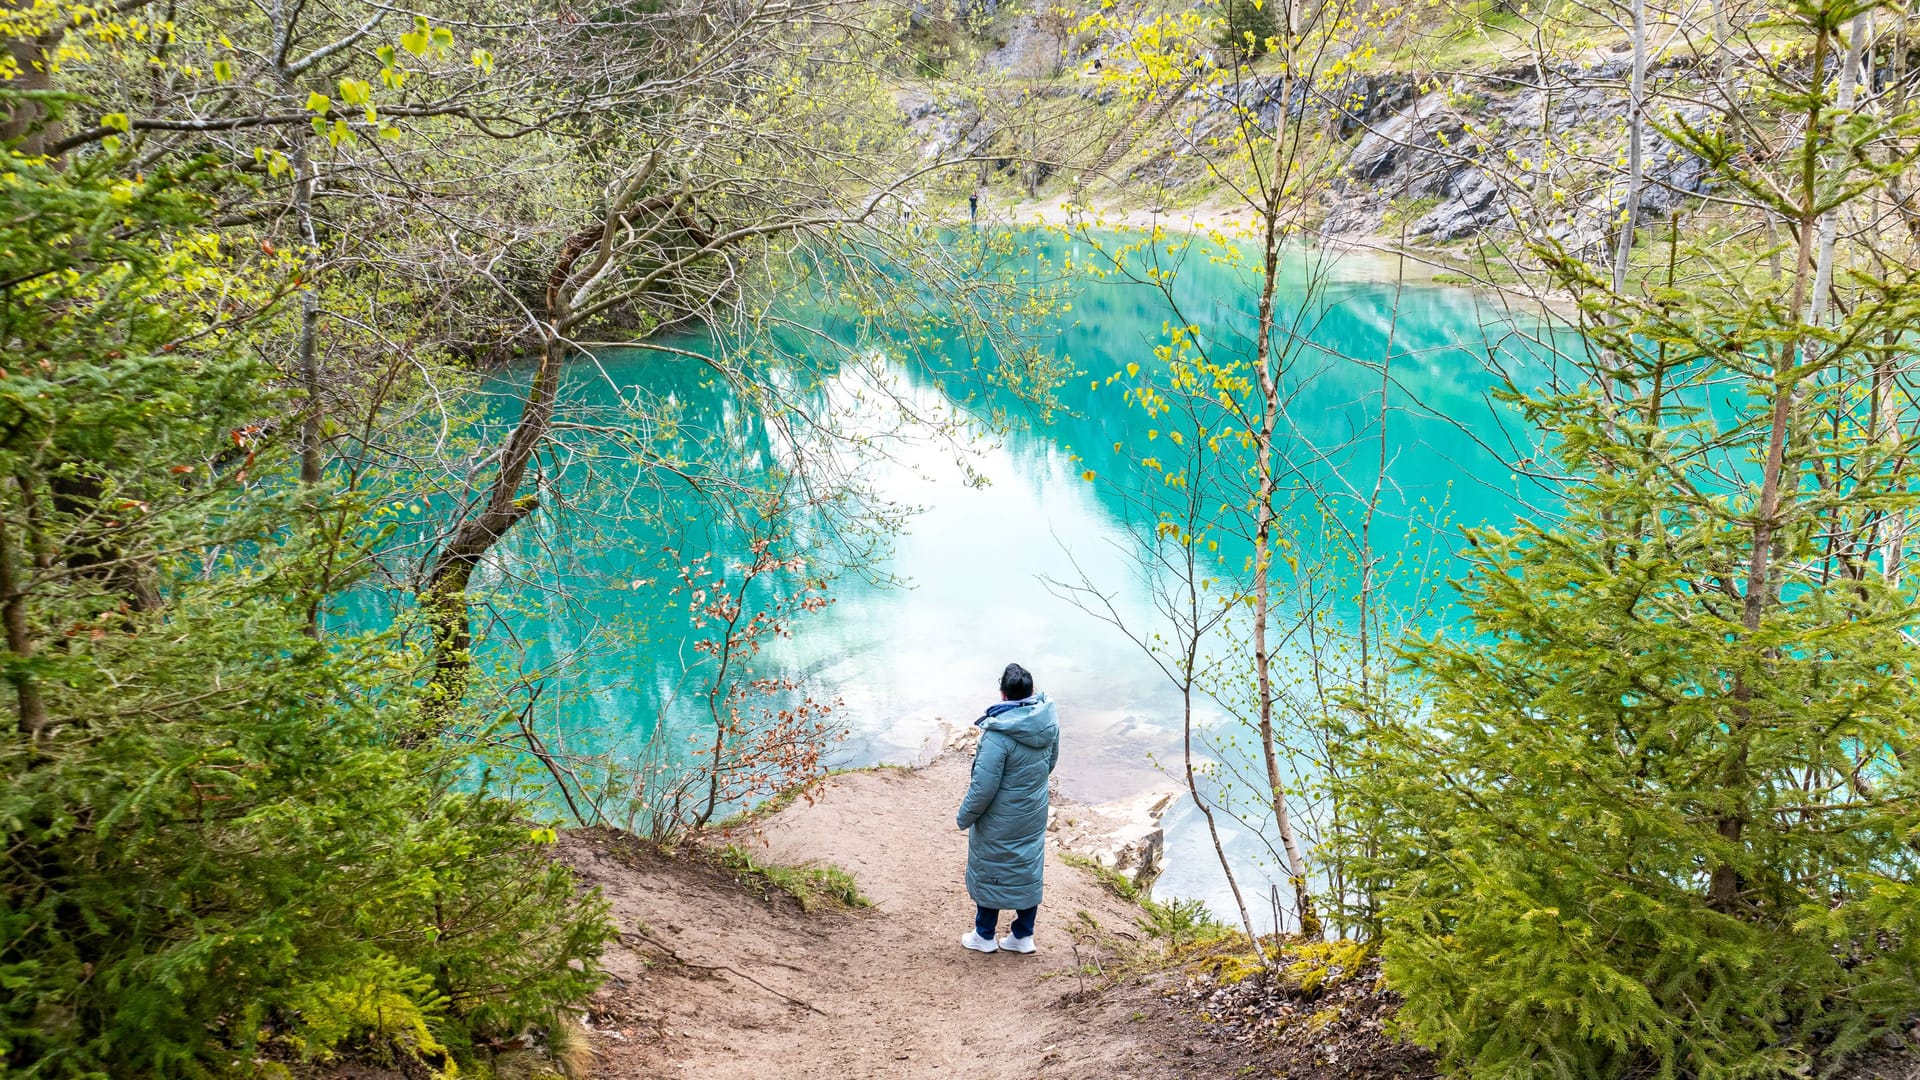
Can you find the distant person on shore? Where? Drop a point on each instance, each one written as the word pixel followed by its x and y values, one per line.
pixel 1005 811
pixel 973 206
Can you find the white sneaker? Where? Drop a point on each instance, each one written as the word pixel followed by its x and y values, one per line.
pixel 1017 944
pixel 979 944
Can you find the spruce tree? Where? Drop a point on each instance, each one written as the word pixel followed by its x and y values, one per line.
pixel 1661 815
pixel 1246 26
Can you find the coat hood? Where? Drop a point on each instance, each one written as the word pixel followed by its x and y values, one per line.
pixel 1029 722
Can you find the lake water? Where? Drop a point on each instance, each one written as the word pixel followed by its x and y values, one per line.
pixel 967 592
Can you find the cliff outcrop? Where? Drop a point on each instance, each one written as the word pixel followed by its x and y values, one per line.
pixel 1416 157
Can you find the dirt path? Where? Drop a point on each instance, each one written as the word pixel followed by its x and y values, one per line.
pixel 886 993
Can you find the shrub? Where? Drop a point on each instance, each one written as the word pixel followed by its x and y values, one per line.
pixel 211 843
pixel 1181 922
pixel 220 842
pixel 1631 836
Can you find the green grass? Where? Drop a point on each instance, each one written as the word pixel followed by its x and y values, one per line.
pixel 1176 922
pixel 1115 882
pixel 814 888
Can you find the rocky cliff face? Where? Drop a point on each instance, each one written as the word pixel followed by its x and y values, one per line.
pixel 1034 48
pixel 1497 151
pixel 1448 159
pixel 1426 160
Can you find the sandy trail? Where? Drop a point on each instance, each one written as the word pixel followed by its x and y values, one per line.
pixel 886 993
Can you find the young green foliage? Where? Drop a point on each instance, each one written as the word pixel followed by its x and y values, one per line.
pixel 1661 817
pixel 211 844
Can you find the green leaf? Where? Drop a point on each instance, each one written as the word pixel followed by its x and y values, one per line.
pixel 355 92
pixel 320 103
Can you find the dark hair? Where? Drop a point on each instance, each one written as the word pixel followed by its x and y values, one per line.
pixel 1016 683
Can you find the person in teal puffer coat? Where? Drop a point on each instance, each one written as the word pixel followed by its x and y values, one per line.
pixel 1005 811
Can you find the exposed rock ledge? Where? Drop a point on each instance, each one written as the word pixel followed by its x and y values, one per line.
pixel 1436 158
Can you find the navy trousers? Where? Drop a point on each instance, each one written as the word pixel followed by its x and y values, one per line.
pixel 985 920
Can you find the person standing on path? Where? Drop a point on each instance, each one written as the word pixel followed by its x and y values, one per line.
pixel 1005 812
pixel 973 204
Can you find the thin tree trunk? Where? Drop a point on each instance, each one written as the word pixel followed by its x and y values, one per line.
pixel 1830 221
pixel 1896 105
pixel 313 420
pixel 27 123
pixel 1206 811
pixel 445 597
pixel 1636 137
pixel 1724 885
pixel 306 363
pixel 13 612
pixel 715 689
pixel 1893 527
pixel 1263 524
pixel 1192 657
pixel 1893 524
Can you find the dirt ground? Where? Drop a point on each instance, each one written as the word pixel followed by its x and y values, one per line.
pixel 710 979
pixel 713 981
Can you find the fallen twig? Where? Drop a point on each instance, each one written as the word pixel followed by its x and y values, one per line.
pixel 684 962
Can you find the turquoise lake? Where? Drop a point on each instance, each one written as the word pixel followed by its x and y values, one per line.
pixel 918 631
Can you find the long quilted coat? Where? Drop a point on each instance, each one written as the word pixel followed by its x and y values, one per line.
pixel 1006 804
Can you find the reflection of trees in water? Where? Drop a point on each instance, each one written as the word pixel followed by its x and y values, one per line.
pixel 685 450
